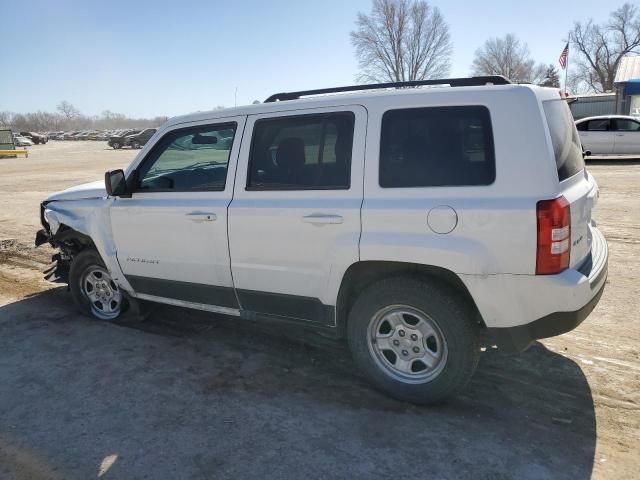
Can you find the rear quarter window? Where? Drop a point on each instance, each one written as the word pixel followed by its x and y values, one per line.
pixel 437 147
pixel 567 148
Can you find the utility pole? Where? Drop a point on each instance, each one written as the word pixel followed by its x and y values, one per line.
pixel 235 98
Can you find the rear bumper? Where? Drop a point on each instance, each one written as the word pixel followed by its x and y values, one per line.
pixel 518 339
pixel 518 309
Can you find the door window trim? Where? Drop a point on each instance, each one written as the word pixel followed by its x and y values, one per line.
pixel 148 158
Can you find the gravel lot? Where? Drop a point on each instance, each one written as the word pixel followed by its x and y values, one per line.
pixel 188 395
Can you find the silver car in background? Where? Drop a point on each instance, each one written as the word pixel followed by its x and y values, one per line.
pixel 610 134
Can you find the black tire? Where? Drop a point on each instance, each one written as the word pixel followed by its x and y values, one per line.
pixel 115 145
pixel 444 307
pixel 136 145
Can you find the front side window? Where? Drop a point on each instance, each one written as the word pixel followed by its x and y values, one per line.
pixel 437 146
pixel 624 125
pixel 189 159
pixel 601 125
pixel 306 152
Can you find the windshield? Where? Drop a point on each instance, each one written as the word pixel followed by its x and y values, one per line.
pixel 564 137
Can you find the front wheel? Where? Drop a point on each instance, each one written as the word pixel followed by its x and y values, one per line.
pixel 115 145
pixel 93 290
pixel 416 340
pixel 136 145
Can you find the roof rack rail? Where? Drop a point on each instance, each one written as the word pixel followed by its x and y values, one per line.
pixel 453 82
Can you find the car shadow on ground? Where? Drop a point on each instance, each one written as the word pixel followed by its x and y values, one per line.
pixel 187 394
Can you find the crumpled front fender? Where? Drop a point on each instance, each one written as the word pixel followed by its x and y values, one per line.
pixel 89 217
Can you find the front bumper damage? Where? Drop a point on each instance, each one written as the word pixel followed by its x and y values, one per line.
pixel 58 269
pixel 67 241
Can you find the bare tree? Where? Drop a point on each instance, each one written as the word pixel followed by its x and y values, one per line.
pixel 402 40
pixel 67 110
pixel 5 119
pixel 601 47
pixel 507 56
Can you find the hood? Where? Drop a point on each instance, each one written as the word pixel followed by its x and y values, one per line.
pixel 80 192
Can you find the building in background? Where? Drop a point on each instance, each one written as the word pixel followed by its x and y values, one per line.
pixel 627 86
pixel 592 105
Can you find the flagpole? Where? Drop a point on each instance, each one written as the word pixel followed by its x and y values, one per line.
pixel 566 68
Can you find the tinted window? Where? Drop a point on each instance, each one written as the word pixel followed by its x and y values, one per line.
pixel 302 152
pixel 601 125
pixel 189 159
pixel 564 138
pixel 624 125
pixel 437 146
pixel 582 126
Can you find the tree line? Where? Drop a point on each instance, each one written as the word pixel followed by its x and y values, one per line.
pixel 68 117
pixel 405 40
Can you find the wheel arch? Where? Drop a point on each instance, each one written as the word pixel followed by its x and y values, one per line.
pixel 362 274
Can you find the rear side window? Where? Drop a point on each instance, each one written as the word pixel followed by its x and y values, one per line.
pixel 306 152
pixel 564 138
pixel 437 146
pixel 624 125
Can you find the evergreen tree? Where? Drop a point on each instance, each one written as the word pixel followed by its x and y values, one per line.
pixel 551 78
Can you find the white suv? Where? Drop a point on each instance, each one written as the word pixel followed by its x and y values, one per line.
pixel 420 223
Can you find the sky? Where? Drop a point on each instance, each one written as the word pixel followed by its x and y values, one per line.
pixel 160 57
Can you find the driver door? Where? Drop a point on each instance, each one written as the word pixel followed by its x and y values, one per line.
pixel 171 235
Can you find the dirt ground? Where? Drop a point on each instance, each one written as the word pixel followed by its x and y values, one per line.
pixel 188 395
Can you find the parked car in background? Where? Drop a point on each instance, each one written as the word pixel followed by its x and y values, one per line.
pixel 610 135
pixel 68 135
pixel 117 141
pixel 36 138
pixel 139 140
pixel 20 141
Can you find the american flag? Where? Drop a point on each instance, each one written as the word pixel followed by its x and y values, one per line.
pixel 563 57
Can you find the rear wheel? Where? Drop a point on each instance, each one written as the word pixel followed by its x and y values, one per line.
pixel 415 340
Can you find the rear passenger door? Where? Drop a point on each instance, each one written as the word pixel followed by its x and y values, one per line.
pixel 627 136
pixel 294 222
pixel 596 135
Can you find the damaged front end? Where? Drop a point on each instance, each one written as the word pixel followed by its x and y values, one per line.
pixel 66 240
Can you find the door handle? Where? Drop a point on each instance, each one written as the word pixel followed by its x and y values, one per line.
pixel 322 218
pixel 200 217
pixel 619 134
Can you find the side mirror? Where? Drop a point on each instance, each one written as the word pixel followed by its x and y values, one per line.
pixel 586 153
pixel 115 183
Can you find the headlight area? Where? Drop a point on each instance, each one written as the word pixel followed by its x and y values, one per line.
pixel 66 240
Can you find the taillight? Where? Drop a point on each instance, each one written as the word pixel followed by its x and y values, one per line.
pixel 554 236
